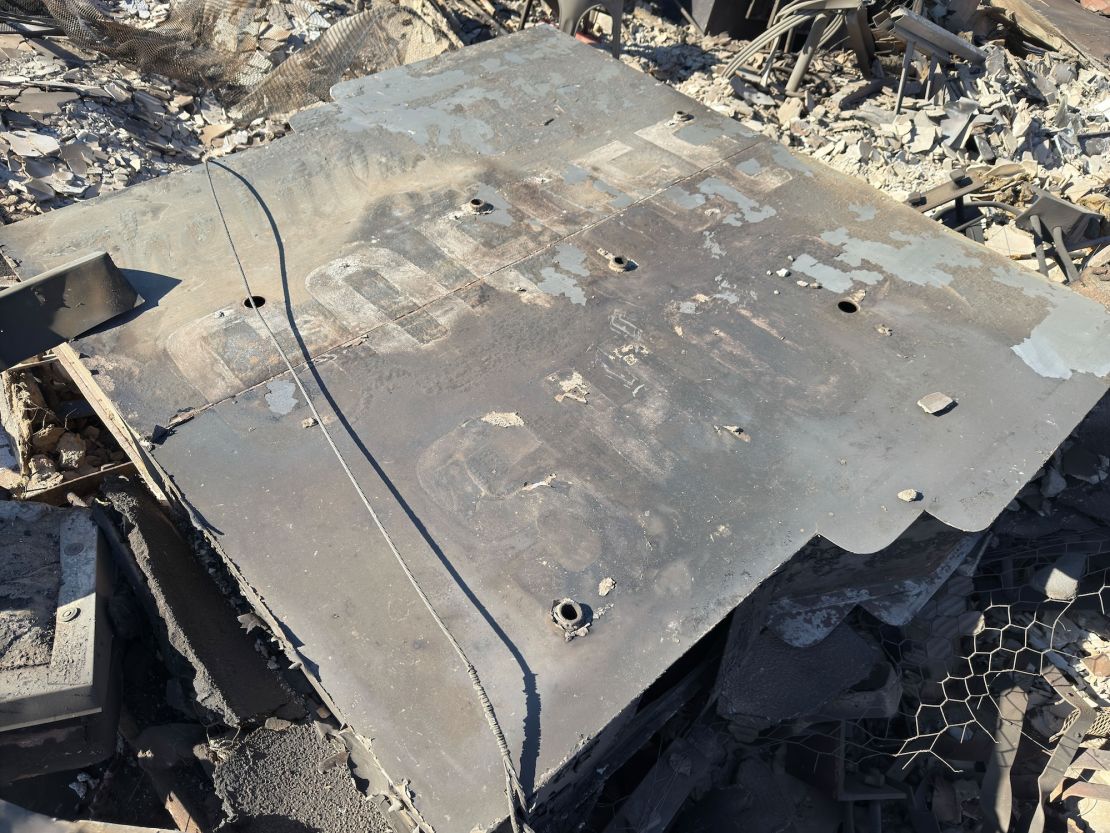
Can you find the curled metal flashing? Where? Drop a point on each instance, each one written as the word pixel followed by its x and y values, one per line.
pixel 531 420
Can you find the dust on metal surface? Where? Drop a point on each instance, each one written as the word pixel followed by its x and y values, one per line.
pixel 682 427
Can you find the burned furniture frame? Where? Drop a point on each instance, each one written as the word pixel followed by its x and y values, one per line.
pixel 825 19
pixel 529 415
pixel 940 47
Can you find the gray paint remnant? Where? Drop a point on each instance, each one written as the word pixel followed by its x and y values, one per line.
pixel 752 211
pixel 732 220
pixel 788 160
pixel 919 261
pixel 750 167
pixel 688 308
pixel 503 419
pixel 863 212
pixel 445 123
pixel 1071 338
pixel 571 258
pixel 620 199
pixel 832 278
pixel 725 293
pixel 575 175
pixel 556 281
pixel 282 397
pixel 684 199
pixel 698 134
pixel 711 245
pixel 499 215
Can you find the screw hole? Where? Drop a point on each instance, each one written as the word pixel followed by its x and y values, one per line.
pixel 619 261
pixel 847 306
pixel 477 202
pixel 568 612
pixel 254 302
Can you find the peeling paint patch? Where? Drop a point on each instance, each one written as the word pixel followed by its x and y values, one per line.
pixel 574 175
pixel 1071 338
pixel 684 199
pixel 556 281
pixel 836 280
pixel 919 261
pixel 571 258
pixel 282 397
pixel 503 419
pixel 752 211
pixel 698 134
pixel 725 293
pixel 711 245
pixel 788 160
pixel 620 199
pixel 750 167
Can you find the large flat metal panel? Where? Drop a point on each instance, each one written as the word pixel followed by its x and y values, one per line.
pixel 683 427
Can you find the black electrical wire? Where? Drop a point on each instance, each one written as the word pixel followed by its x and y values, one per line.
pixel 513 790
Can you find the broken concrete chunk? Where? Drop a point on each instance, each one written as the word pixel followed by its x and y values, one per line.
pixel 503 419
pixel 936 403
pixel 606 586
pixel 70 450
pixel 574 387
pixel 26 143
pixel 909 495
pixel 46 439
pixel 1099 664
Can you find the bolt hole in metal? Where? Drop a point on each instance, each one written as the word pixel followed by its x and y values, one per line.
pixel 847 305
pixel 567 612
pixel 254 302
pixel 476 205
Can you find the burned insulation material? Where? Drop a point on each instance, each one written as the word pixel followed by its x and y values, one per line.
pixel 682 428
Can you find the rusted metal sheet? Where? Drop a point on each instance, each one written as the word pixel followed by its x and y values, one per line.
pixel 530 417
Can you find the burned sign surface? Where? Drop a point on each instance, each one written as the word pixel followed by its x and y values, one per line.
pixel 568 327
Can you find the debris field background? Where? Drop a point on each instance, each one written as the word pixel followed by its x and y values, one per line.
pixel 77 124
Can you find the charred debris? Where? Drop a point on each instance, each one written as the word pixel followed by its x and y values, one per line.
pixel 419 419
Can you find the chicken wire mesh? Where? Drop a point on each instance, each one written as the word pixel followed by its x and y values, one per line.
pixel 1034 613
pixel 214 45
pixel 997 692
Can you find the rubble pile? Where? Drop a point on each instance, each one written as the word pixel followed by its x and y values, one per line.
pixel 57 437
pixel 77 124
pixel 1040 118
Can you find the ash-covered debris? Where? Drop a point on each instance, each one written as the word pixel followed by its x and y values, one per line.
pixel 122 105
pixel 1038 118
